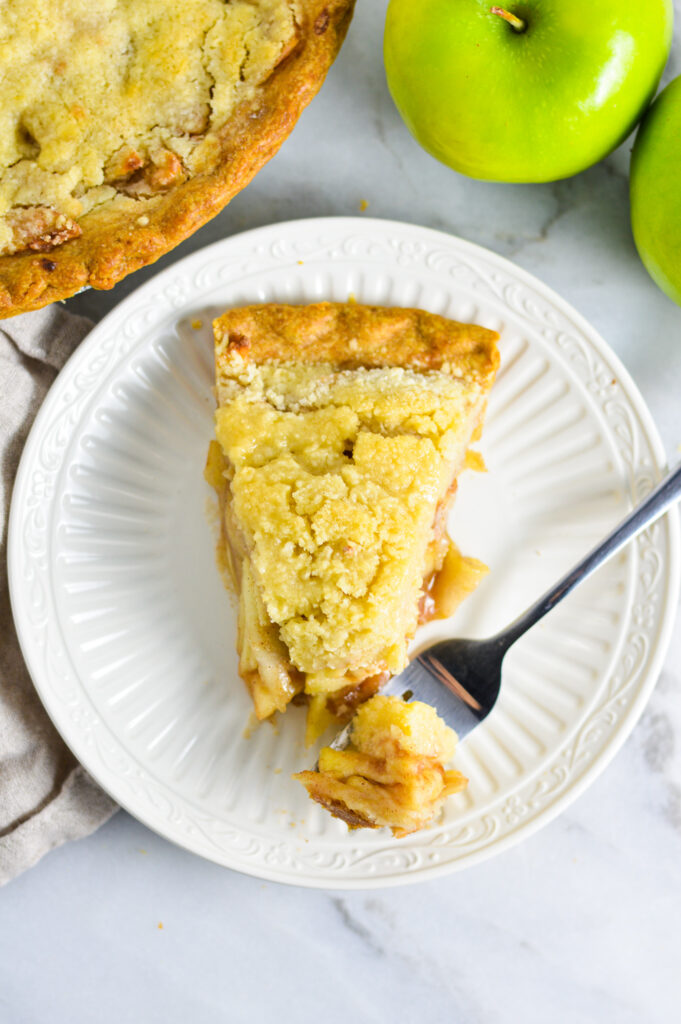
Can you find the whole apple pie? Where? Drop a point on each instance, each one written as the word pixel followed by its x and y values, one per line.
pixel 126 124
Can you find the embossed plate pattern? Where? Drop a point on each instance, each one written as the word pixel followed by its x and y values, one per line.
pixel 129 633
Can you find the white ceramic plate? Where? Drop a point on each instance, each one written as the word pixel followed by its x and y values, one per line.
pixel 129 634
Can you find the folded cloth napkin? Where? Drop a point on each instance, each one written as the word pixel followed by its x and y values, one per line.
pixel 46 797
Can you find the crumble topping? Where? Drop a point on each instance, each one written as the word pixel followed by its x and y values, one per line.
pixel 335 477
pixel 119 100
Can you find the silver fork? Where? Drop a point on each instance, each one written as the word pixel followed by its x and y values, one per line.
pixel 462 678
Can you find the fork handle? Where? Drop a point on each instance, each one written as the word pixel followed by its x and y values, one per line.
pixel 657 502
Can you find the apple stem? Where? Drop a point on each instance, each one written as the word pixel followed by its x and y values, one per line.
pixel 516 23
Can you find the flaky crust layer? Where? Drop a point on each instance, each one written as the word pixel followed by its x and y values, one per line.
pixel 353 335
pixel 114 243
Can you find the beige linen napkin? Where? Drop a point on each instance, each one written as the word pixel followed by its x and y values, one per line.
pixel 46 797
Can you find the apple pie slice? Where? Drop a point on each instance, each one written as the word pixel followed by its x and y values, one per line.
pixel 341 430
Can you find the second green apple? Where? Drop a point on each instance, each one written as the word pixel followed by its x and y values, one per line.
pixel 655 192
pixel 529 91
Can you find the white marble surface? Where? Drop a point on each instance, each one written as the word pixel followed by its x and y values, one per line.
pixel 578 925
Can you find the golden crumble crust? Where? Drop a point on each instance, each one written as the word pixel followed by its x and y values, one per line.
pixel 105 214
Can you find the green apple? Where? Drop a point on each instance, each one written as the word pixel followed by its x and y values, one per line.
pixel 532 91
pixel 656 192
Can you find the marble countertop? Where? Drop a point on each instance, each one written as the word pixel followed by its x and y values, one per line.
pixel 580 923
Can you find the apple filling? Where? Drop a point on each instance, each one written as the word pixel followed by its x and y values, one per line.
pixel 393 772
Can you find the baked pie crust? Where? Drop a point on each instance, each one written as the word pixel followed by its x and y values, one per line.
pixel 125 126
